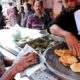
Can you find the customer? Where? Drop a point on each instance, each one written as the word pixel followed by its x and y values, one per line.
pixel 19 65
pixel 65 26
pixel 27 13
pixel 14 18
pixel 21 15
pixel 10 9
pixel 2 19
pixel 38 20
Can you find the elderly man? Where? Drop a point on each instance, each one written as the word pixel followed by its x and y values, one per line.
pixel 17 66
pixel 65 26
pixel 38 20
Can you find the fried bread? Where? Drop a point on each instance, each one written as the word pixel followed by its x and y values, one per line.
pixel 60 52
pixel 67 60
pixel 75 67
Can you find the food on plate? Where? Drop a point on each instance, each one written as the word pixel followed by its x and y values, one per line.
pixel 67 60
pixel 60 52
pixel 75 67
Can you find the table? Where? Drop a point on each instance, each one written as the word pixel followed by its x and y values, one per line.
pixel 9 42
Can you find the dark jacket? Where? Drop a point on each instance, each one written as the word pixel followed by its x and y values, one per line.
pixel 2 21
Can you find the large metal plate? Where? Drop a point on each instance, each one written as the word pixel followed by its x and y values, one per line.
pixel 56 67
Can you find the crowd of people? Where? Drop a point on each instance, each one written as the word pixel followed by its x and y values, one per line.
pixel 64 26
pixel 34 17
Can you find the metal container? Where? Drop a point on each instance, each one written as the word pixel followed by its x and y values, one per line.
pixel 56 67
pixel 40 44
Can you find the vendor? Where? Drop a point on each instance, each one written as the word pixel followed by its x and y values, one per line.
pixel 65 26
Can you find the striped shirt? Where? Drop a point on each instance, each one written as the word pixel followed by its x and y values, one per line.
pixel 35 22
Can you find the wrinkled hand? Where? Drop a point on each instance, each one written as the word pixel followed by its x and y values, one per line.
pixel 73 44
pixel 26 61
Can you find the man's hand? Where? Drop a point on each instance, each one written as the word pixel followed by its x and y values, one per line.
pixel 71 40
pixel 26 61
pixel 73 44
pixel 20 65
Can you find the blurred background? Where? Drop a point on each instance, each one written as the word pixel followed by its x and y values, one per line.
pixel 52 6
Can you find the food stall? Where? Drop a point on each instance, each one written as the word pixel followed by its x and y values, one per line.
pixel 21 39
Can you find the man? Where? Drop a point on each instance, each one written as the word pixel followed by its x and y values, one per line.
pixel 14 18
pixel 27 13
pixel 10 10
pixel 65 26
pixel 38 20
pixel 22 15
pixel 18 65
pixel 2 18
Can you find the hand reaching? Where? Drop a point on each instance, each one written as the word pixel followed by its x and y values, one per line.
pixel 26 61
pixel 73 44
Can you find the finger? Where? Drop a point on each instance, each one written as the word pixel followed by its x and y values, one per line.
pixel 30 54
pixel 74 53
pixel 70 49
pixel 28 57
pixel 32 63
pixel 35 59
pixel 78 54
pixel 73 47
pixel 32 57
pixel 78 51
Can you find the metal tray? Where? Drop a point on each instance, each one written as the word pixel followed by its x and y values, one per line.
pixel 39 44
pixel 34 40
pixel 56 67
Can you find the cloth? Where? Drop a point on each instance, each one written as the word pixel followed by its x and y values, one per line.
pixel 14 19
pixel 2 66
pixel 77 20
pixel 67 22
pixel 38 23
pixel 2 21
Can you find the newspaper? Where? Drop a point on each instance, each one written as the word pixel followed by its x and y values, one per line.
pixel 29 71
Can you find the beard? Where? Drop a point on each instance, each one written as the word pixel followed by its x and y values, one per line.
pixel 70 9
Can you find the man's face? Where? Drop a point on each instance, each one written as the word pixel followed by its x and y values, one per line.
pixel 38 7
pixel 21 9
pixel 71 4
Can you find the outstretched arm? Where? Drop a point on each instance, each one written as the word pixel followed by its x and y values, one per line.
pixel 71 40
pixel 20 65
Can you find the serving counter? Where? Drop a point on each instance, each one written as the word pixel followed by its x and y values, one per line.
pixel 13 40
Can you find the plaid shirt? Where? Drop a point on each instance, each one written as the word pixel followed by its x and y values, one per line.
pixel 38 23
